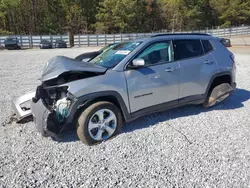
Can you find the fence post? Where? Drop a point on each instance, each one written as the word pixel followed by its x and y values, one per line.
pixel 114 38
pixel 30 41
pixel 21 40
pixel 79 41
pixel 88 38
pixel 51 39
pixel 105 39
pixel 121 37
pixel 97 39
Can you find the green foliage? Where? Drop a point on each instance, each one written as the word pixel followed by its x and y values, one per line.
pixel 116 16
pixel 4 32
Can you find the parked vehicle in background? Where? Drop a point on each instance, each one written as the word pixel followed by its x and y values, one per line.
pixel 60 44
pixel 226 42
pixel 45 44
pixel 86 57
pixel 12 43
pixel 133 79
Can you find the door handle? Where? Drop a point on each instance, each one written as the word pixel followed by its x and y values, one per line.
pixel 208 62
pixel 171 69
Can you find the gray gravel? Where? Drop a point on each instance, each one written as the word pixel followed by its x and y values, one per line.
pixel 185 147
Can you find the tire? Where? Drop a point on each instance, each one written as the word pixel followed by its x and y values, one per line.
pixel 91 116
pixel 217 95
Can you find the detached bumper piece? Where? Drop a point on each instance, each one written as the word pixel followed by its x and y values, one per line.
pixel 22 111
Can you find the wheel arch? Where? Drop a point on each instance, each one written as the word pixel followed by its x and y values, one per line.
pixel 219 78
pixel 85 101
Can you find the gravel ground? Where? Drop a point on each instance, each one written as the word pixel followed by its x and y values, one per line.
pixel 184 147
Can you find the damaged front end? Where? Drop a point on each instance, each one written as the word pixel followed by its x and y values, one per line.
pixel 50 109
pixel 51 106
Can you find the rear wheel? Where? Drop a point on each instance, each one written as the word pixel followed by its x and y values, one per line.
pixel 218 94
pixel 99 122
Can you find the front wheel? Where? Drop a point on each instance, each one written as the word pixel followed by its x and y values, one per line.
pixel 99 122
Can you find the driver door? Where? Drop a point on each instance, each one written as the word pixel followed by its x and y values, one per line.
pixel 156 85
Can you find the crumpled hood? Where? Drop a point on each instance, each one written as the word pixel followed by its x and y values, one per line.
pixel 60 64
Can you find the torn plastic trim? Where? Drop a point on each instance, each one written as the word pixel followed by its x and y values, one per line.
pixel 20 111
pixel 56 102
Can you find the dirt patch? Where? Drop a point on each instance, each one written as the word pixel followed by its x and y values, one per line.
pixel 240 49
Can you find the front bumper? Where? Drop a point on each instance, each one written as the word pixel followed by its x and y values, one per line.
pixel 44 121
pixel 40 115
pixel 22 112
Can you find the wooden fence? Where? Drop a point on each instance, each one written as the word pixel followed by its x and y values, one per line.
pixel 27 41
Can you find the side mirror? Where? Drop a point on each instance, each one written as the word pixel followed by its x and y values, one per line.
pixel 138 63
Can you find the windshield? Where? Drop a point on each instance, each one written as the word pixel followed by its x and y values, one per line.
pixel 105 48
pixel 111 57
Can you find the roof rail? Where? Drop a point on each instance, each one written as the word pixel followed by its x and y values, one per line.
pixel 169 34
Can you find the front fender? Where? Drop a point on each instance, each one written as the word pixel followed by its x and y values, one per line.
pixel 85 100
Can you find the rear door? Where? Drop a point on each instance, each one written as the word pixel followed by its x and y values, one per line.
pixel 197 66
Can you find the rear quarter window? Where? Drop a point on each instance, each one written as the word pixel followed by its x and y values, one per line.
pixel 207 46
pixel 184 49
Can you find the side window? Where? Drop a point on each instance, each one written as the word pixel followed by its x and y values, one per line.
pixel 184 49
pixel 157 53
pixel 207 46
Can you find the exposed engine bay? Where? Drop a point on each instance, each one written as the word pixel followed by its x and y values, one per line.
pixel 53 92
pixel 57 99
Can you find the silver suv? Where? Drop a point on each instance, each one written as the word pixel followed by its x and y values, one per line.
pixel 131 80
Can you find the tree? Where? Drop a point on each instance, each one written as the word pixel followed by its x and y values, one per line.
pixel 90 9
pixel 233 12
pixel 116 16
pixel 9 15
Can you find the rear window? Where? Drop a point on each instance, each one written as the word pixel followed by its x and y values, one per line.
pixel 184 49
pixel 207 46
